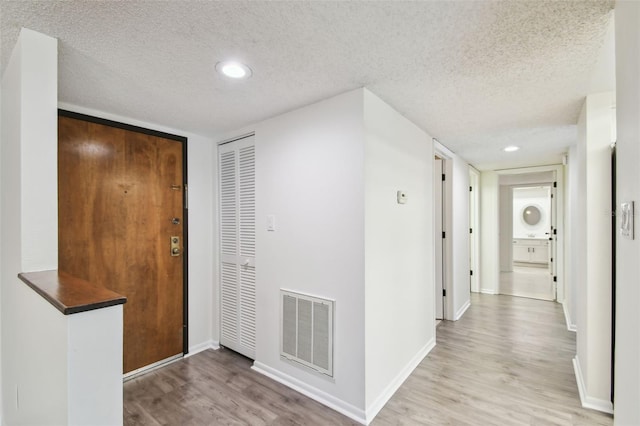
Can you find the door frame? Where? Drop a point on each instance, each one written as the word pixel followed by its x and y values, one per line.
pixel 447 219
pixel 439 241
pixel 185 200
pixel 559 228
pixel 506 248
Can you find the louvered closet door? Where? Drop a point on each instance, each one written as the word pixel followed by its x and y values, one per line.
pixel 237 245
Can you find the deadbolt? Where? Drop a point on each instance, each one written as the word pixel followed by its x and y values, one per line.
pixel 175 221
pixel 175 246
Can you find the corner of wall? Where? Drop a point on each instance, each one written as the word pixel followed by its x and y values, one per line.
pixel 29 216
pixel 398 156
pixel 489 228
pixel 570 325
pixel 310 177
pixel 312 392
pixel 374 408
pixel 460 312
pixel 586 400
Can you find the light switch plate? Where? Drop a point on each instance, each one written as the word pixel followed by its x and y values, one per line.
pixel 271 223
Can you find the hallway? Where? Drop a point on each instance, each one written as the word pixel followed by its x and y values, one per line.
pixel 507 362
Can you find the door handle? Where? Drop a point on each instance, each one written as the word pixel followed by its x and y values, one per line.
pixel 246 262
pixel 175 246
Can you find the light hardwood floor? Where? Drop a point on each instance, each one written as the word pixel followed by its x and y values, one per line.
pixel 526 281
pixel 219 388
pixel 506 362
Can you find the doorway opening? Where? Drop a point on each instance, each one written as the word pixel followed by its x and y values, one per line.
pixel 530 273
pixel 529 233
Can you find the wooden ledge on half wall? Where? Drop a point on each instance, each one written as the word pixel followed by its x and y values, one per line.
pixel 69 294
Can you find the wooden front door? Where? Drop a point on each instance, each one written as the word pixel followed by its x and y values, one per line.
pixel 121 219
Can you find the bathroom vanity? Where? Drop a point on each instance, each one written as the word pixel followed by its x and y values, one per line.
pixel 531 250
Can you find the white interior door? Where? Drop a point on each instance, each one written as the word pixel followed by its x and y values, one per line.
pixel 472 234
pixel 438 206
pixel 474 272
pixel 553 240
pixel 236 165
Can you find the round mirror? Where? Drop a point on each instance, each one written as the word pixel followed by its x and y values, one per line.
pixel 531 215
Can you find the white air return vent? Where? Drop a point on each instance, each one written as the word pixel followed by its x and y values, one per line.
pixel 306 324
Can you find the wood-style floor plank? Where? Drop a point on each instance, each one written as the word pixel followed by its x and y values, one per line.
pixel 218 388
pixel 506 362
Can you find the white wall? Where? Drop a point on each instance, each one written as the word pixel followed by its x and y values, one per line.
pixel 399 288
pixel 329 173
pixel 579 243
pixel 490 230
pixel 1 204
pixel 593 260
pixel 201 169
pixel 461 269
pixel 531 196
pixel 310 176
pixel 627 375
pixel 456 218
pixel 29 227
pixel 203 324
pixel 505 216
pixel 570 206
pixel 35 379
pixel 94 358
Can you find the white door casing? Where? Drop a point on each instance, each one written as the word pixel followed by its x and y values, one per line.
pixel 438 206
pixel 553 238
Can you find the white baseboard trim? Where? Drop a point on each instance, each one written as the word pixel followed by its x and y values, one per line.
pixel 391 389
pixel 151 367
pixel 209 344
pixel 586 400
pixel 316 394
pixel 462 310
pixel 567 318
pixel 488 291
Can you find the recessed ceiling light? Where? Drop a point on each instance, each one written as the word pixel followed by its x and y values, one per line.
pixel 234 70
pixel 511 148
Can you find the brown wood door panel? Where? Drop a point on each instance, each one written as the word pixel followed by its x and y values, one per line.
pixel 118 193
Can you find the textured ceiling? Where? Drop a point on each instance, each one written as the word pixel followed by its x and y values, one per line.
pixel 477 75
